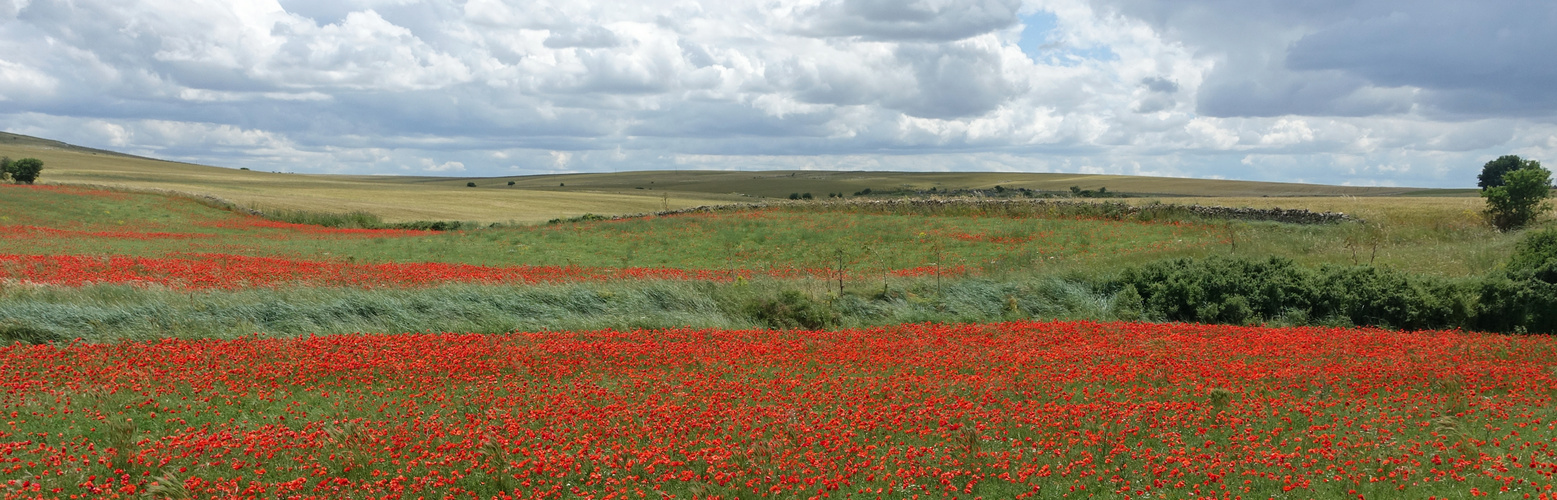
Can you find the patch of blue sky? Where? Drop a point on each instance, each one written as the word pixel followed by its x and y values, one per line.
pixel 1041 41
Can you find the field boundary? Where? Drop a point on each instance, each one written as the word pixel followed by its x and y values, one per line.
pixel 1110 209
pixel 209 200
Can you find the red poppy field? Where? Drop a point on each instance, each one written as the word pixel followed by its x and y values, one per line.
pixel 237 272
pixel 67 236
pixel 1011 410
pixel 934 410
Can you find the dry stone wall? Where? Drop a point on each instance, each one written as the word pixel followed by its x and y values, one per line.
pixel 1113 210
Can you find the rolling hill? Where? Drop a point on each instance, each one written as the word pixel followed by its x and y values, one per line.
pixel 542 197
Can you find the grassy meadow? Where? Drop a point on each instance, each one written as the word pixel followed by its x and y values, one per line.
pixel 145 265
pixel 760 238
pixel 1440 236
pixel 161 340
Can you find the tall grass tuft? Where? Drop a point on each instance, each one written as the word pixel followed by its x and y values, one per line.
pixel 350 220
pixel 107 313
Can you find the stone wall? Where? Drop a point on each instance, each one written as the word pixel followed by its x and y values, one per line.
pixel 1036 208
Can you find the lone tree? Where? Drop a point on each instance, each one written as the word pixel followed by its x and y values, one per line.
pixel 1515 196
pixel 1492 173
pixel 25 170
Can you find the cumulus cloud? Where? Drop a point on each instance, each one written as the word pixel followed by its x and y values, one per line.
pixel 1377 91
pixel 445 167
pixel 19 81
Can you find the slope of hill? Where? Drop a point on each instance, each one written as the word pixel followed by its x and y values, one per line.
pixel 543 197
pixel 392 197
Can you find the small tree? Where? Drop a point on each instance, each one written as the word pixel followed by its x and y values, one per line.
pixel 25 170
pixel 5 168
pixel 1519 197
pixel 1492 173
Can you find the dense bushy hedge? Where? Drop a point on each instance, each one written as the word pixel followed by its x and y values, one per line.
pixel 1535 257
pixel 1231 290
pixel 1520 298
pixel 1516 305
pixel 1524 296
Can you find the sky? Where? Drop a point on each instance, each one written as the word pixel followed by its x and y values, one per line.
pixel 1379 92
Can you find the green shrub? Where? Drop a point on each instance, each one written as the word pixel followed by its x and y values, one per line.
pixel 1516 305
pixel 1241 291
pixel 426 225
pixel 1535 256
pixel 1218 290
pixel 25 170
pixel 1367 295
pixel 1128 304
pixel 1523 298
pixel 792 309
pixel 581 218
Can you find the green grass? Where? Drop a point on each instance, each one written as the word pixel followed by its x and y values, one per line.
pixel 104 313
pixel 759 239
pixel 806 236
pixel 1023 263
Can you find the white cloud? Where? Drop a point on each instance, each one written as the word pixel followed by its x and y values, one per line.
pixel 445 167
pixel 489 86
pixel 561 158
pixel 1287 132
pixel 19 81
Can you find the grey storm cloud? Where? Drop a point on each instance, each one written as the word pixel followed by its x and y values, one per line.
pixel 1161 97
pixel 1364 58
pixel 1376 91
pixel 1472 59
pixel 590 37
pixel 953 81
pixel 937 20
pixel 1160 84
